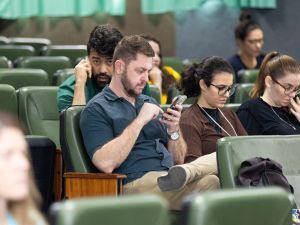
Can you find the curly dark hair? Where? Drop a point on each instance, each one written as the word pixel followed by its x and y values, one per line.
pixel 103 39
pixel 205 70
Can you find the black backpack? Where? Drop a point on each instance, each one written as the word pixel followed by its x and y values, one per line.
pixel 259 171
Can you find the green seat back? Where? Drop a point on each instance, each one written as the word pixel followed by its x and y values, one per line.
pixel 232 151
pixel 36 43
pixel 125 210
pixel 73 52
pixel 155 93
pixel 4 40
pixel 173 92
pixel 233 106
pixel 12 52
pixel 61 75
pixel 50 64
pixel 242 93
pixel 8 99
pixel 23 77
pixel 73 150
pixel 4 62
pixel 38 112
pixel 173 62
pixel 247 76
pixel 260 206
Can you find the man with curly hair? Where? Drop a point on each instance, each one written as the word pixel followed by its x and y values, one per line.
pixel 93 73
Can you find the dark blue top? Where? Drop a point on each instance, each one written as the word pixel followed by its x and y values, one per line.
pixel 259 118
pixel 237 64
pixel 106 116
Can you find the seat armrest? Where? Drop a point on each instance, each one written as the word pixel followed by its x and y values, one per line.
pixel 92 184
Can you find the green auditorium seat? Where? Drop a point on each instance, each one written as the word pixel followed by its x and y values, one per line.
pixel 242 93
pixel 80 172
pixel 71 51
pixel 50 64
pixel 4 63
pixel 61 75
pixel 38 112
pixel 12 52
pixel 233 106
pixel 23 77
pixel 8 99
pixel 173 62
pixel 231 151
pixel 247 76
pixel 36 43
pixel 125 210
pixel 4 40
pixel 260 206
pixel 155 93
pixel 173 92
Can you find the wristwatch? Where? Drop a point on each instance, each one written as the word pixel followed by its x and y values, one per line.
pixel 174 135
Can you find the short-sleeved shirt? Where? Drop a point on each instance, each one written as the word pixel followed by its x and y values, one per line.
pixel 259 118
pixel 65 92
pixel 237 64
pixel 106 116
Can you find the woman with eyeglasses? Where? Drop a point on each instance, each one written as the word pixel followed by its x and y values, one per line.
pixel 274 108
pixel 211 81
pixel 249 38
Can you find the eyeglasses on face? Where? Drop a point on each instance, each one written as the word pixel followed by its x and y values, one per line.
pixel 255 41
pixel 223 89
pixel 288 89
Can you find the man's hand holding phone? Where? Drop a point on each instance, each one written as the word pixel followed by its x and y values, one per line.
pixel 173 113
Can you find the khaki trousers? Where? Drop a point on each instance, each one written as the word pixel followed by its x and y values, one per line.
pixel 202 178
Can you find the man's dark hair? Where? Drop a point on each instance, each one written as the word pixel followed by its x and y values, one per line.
pixel 128 48
pixel 103 39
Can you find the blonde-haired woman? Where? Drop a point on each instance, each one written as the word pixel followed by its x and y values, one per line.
pixel 274 108
pixel 18 194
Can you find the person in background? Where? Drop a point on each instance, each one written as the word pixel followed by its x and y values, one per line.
pixel 18 193
pixel 92 74
pixel 273 108
pixel 249 38
pixel 211 81
pixel 162 76
pixel 127 132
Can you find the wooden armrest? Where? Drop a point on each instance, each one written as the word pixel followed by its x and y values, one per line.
pixel 92 184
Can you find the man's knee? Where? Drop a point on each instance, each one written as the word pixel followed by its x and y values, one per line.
pixel 209 182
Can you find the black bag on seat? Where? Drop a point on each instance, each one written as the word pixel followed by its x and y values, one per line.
pixel 259 171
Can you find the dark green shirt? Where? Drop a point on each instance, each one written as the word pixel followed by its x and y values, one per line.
pixel 65 92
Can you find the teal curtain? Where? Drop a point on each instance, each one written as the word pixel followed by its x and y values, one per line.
pixel 15 9
pixel 163 6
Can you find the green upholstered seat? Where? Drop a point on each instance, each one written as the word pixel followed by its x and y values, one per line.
pixel 12 52
pixel 74 153
pixel 125 210
pixel 259 206
pixel 50 64
pixel 4 40
pixel 173 62
pixel 233 106
pixel 231 151
pixel 21 77
pixel 155 93
pixel 242 93
pixel 61 75
pixel 8 99
pixel 73 52
pixel 38 112
pixel 36 43
pixel 4 63
pixel 247 76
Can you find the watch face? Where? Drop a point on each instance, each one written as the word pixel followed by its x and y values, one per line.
pixel 174 136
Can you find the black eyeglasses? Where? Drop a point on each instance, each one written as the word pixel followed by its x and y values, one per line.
pixel 289 89
pixel 223 89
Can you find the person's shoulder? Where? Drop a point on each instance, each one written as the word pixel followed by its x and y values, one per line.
pixel 251 104
pixel 190 113
pixel 234 59
pixel 70 81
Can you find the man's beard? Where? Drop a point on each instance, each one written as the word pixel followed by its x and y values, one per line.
pixel 101 79
pixel 127 86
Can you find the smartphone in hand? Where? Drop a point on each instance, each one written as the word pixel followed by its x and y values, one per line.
pixel 178 100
